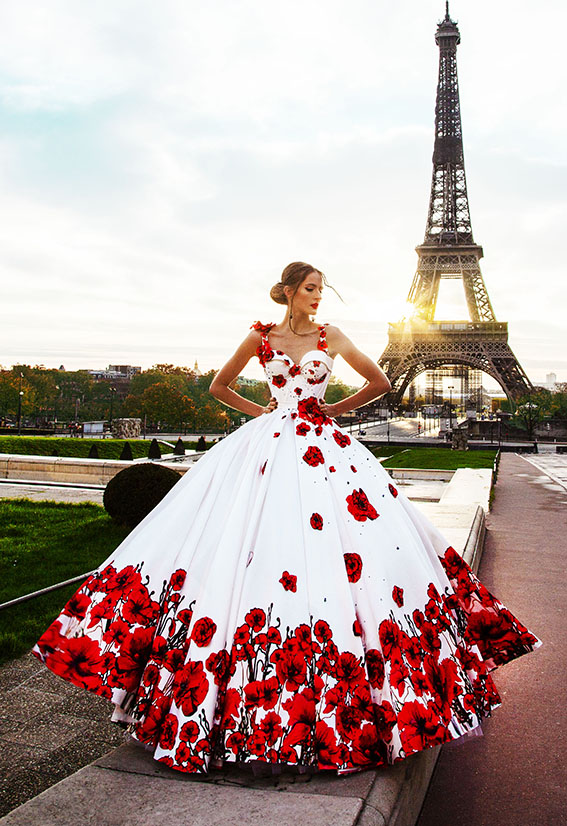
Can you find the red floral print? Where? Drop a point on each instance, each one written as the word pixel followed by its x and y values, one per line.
pixel 203 631
pixel 279 380
pixel 398 595
pixel 276 435
pixel 294 370
pixel 289 581
pixel 352 467
pixel 332 469
pixel 360 507
pixel 392 490
pixel 256 619
pixel 263 468
pixel 302 429
pixel 353 564
pixel 313 456
pixel 375 668
pixel 190 687
pixel 341 438
pixel 309 410
pixel 316 521
pixel 177 579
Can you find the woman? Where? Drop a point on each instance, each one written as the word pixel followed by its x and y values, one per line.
pixel 285 603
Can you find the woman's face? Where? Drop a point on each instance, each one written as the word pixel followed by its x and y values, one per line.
pixel 309 294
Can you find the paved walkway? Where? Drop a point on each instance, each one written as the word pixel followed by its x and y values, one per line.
pixel 516 774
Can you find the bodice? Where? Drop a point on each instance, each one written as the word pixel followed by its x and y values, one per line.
pixel 288 381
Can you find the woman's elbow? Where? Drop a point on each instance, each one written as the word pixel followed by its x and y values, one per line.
pixel 382 386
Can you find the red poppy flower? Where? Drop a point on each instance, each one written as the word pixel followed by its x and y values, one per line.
pixel 360 507
pixel 322 631
pixel 116 633
pixel 261 328
pixel 332 469
pixel 348 720
pixel 190 687
pixel 185 616
pixel 420 727
pixel 220 666
pixel 318 430
pixel 133 657
pixel 256 619
pixel 235 742
pixel 262 693
pixel 349 670
pixel 189 732
pixel 398 595
pixel 271 727
pixel 139 608
pixel 294 370
pixel 354 470
pixel 357 628
pixel 316 521
pixel 413 651
pixel 375 668
pixel 341 438
pixel 390 639
pixel 290 668
pixel 398 674
pixel 367 748
pixel 77 606
pixel 169 732
pixel 392 490
pixel 384 719
pixel 429 638
pixel 353 564
pixel 453 563
pixel 313 456
pixel 177 579
pixel 256 743
pixel 123 580
pixel 230 709
pixel 203 631
pixel 151 728
pixel 302 429
pixel 325 745
pixel 442 679
pixel 276 435
pixel 279 380
pixel 289 581
pixel 310 410
pixel 79 661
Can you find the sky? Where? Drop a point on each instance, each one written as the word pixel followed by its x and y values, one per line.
pixel 160 164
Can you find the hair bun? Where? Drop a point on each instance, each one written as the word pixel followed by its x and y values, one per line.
pixel 277 293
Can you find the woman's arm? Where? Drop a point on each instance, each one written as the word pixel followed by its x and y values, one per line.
pixel 377 381
pixel 232 369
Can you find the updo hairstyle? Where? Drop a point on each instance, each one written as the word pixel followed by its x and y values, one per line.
pixel 293 275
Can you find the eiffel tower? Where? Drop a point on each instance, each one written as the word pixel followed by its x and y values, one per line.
pixel 419 342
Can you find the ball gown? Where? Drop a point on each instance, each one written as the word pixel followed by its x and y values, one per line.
pixel 286 603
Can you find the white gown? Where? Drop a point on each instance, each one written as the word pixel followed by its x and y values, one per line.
pixel 286 603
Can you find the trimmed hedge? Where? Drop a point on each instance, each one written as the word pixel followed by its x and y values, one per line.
pixel 135 491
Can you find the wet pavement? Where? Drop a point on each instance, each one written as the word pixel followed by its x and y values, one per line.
pixel 516 774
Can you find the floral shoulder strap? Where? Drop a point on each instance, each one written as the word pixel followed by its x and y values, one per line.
pixel 264 350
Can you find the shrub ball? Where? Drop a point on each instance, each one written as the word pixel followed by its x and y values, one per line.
pixel 136 490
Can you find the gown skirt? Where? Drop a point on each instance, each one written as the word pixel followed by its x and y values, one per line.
pixel 286 603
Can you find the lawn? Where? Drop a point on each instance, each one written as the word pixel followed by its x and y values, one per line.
pixel 435 457
pixel 78 448
pixel 42 543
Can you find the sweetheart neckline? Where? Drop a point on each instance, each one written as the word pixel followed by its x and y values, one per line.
pixel 298 363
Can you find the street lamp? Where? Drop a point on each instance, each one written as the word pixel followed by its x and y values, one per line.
pixel 450 388
pixel 55 409
pixel 112 392
pixel 20 394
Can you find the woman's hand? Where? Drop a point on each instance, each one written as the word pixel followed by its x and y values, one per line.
pixel 271 406
pixel 329 409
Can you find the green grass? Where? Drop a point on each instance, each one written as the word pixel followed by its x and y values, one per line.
pixel 78 448
pixel 437 458
pixel 42 543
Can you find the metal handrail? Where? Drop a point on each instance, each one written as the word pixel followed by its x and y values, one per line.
pixel 18 600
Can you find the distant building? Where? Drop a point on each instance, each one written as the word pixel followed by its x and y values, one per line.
pixel 115 372
pixel 550 381
pixel 196 369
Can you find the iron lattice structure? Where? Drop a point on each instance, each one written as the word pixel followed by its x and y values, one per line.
pixel 448 251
